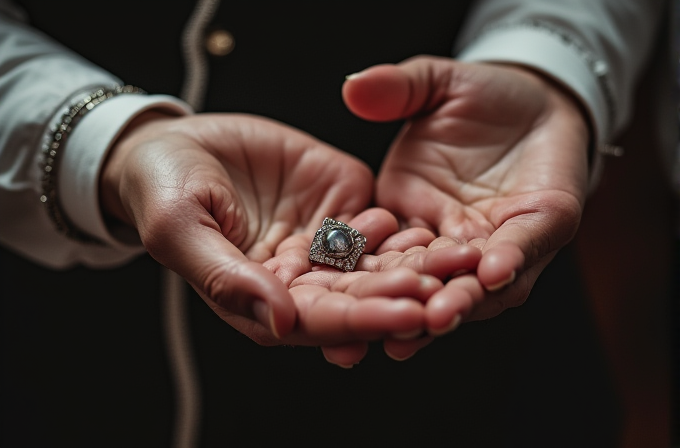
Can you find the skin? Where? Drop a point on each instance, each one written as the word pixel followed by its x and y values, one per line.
pixel 488 177
pixel 231 203
pixel 493 156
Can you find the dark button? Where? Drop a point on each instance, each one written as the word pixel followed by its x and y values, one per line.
pixel 337 243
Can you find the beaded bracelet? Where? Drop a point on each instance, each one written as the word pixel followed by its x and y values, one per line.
pixel 52 149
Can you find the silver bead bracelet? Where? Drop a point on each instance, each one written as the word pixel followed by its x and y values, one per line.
pixel 52 150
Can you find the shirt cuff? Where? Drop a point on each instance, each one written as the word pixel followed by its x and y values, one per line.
pixel 555 56
pixel 84 155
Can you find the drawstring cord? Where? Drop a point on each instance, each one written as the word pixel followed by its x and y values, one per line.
pixel 174 294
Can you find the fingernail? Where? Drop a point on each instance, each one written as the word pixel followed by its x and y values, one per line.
pixel 265 315
pixel 449 328
pixel 407 335
pixel 344 366
pixel 399 358
pixel 502 283
pixel 353 76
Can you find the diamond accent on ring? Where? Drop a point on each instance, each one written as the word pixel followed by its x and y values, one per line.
pixel 338 245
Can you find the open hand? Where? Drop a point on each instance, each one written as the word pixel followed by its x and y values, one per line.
pixel 493 156
pixel 213 195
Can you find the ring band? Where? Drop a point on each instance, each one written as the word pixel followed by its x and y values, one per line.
pixel 338 245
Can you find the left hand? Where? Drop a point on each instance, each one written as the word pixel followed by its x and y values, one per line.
pixel 492 155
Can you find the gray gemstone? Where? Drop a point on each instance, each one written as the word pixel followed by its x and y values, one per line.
pixel 337 243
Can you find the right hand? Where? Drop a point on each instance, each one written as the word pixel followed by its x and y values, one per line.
pixel 213 195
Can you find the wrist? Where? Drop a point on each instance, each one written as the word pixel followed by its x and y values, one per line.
pixel 111 198
pixel 566 97
pixel 569 104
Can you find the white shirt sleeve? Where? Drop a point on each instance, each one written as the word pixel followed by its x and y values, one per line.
pixel 597 48
pixel 38 79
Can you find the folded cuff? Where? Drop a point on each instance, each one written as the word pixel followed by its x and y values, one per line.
pixel 84 155
pixel 555 56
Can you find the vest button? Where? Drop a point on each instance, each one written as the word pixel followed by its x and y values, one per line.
pixel 219 43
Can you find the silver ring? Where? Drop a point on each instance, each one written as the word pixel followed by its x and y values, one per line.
pixel 337 244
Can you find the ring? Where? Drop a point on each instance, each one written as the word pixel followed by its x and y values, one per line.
pixel 337 244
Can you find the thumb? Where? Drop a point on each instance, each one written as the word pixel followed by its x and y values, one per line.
pixel 390 92
pixel 240 291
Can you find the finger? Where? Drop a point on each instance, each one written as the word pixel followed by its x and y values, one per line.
pixel 345 355
pixel 429 284
pixel 390 92
pixel 448 307
pixel 528 231
pixel 444 241
pixel 501 263
pixel 406 239
pixel 442 263
pixel 334 318
pixel 402 350
pixel 223 276
pixel 388 316
pixel 397 282
pixel 376 224
pixel 513 295
pixel 292 263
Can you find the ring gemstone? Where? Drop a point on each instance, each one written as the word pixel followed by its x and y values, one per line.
pixel 338 245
